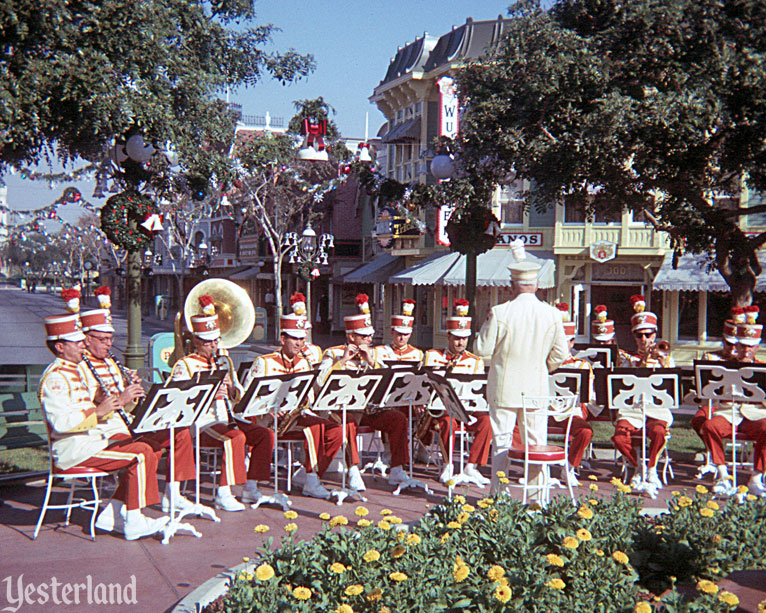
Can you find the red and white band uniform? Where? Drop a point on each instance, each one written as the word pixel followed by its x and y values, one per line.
pixel 232 440
pixel 580 432
pixel 408 353
pixel 110 375
pixel 463 363
pixel 323 436
pixel 80 438
pixel 391 422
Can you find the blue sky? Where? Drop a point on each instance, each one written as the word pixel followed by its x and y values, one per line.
pixel 352 42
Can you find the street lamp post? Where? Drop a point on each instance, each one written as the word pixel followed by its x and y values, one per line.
pixel 308 251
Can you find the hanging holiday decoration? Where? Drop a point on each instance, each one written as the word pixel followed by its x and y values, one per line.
pixel 467 230
pixel 117 213
pixel 313 149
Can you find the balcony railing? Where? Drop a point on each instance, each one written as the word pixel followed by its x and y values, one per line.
pixel 572 238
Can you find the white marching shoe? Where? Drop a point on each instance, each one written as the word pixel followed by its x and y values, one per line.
pixel 112 517
pixel 138 525
pixel 313 488
pixel 636 481
pixel 181 503
pixel 251 493
pixel 471 474
pixel 570 476
pixel 299 476
pixel 447 473
pixel 653 479
pixel 355 481
pixel 397 475
pixel 225 500
pixel 755 485
pixel 724 487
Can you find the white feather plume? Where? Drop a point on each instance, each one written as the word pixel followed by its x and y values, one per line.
pixel 517 250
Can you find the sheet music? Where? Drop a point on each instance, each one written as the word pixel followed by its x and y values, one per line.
pixel 349 389
pixel 278 392
pixel 403 387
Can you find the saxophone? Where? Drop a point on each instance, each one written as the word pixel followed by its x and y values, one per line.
pixel 105 388
pixel 288 421
pixel 426 419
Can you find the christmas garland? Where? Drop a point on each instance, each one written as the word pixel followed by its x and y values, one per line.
pixel 304 270
pixel 467 230
pixel 116 215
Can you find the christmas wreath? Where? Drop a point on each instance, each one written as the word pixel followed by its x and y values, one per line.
pixel 117 213
pixel 471 230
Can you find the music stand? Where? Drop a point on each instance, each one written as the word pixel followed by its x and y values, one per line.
pixel 599 356
pixel 638 389
pixel 405 386
pixel 733 382
pixel 344 391
pixel 274 394
pixel 177 404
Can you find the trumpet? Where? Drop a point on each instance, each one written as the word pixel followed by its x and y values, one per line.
pixel 660 351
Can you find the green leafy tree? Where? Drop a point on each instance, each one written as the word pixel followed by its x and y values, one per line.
pixel 658 107
pixel 75 75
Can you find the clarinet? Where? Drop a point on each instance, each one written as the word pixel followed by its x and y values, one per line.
pixel 126 374
pixel 120 411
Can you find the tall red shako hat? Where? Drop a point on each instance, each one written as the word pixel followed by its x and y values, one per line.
pixel 642 319
pixel 570 329
pixel 601 328
pixel 460 324
pixel 362 323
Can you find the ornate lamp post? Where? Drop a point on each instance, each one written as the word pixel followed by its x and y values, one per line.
pixel 308 251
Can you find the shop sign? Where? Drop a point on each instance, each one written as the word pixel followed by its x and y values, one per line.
pixel 448 103
pixel 617 272
pixel 603 251
pixel 530 239
pixel 442 217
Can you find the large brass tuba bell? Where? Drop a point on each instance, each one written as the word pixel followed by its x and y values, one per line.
pixel 236 315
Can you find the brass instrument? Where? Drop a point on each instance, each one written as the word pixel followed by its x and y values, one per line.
pixel 105 388
pixel 660 351
pixel 288 421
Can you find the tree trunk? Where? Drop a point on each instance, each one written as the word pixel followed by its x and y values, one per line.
pixel 470 292
pixel 742 287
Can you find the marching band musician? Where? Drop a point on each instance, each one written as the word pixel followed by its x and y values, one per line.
pixel 314 352
pixel 658 420
pixel 104 377
pixel 455 359
pixel 749 419
pixel 580 432
pixel 92 435
pixel 601 328
pixel 213 433
pixel 323 437
pixel 358 354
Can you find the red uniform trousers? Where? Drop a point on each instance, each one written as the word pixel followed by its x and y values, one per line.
pixel 394 424
pixel 715 430
pixel 138 485
pixel 260 440
pixel 323 440
pixel 232 441
pixel 183 452
pixel 699 418
pixel 482 439
pixel 656 430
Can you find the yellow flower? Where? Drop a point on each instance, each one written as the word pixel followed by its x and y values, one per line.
pixel 393 519
pixel 384 610
pixel 684 501
pixel 701 489
pixel 445 536
pixel 398 551
pixel 364 523
pixel 620 557
pixel 717 539
pixel 556 584
pixel 600 553
pixel 291 527
pixel 583 534
pixel 463 517
pixel 742 489
pixel 500 474
pixel 593 502
pixel 245 560
pixel 264 572
pixel 762 606
pixel 385 512
pixel 593 487
pixel 616 482
pixel 460 570
pixel 728 598
pixel 354 590
pixel 373 555
pixel 339 520
pixel 503 593
pixel 584 513
pixel 752 497
pixel 485 503
pixel 468 508
pixel 493 514
pixel 344 608
pixel 495 573
pixel 290 515
pixel 570 542
pixel 324 516
pixel 642 607
pixel 337 567
pixel 712 504
pixel 400 535
pixel 261 528
pixel 413 539
pixel 707 586
pixel 302 593
pixel 374 595
pixel 453 525
pixel 459 499
pixel 397 576
pixel 384 525
pixel 705 512
pixel 504 480
pixel 361 512
pixel 450 483
pixel 593 477
pixel 554 559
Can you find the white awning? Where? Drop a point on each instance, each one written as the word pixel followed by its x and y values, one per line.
pixel 693 274
pixel 491 269
pixel 377 270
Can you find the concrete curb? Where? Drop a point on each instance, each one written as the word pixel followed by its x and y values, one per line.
pixel 206 593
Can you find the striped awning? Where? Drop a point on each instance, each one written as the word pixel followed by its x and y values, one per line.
pixel 695 274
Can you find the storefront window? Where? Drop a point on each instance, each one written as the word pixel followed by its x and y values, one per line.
pixel 759 219
pixel 512 204
pixel 576 214
pixel 688 314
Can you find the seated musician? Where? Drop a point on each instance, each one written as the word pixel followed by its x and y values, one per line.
pixel 104 377
pixel 749 419
pixel 215 430
pixel 86 434
pixel 580 432
pixel 455 359
pixel 323 437
pixel 358 354
pixel 629 422
pixel 312 351
pixel 601 328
